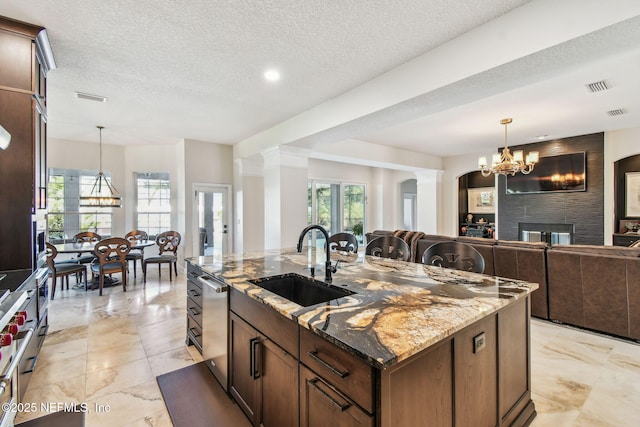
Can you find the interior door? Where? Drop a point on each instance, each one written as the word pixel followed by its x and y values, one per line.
pixel 211 225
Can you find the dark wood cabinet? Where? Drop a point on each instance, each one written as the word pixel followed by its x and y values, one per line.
pixel 16 181
pixel 479 376
pixel 263 376
pixel 625 239
pixel 279 394
pixel 514 381
pixel 475 372
pixel 23 165
pixel 244 384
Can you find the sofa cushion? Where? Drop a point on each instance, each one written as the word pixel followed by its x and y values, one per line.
pixel 599 250
pixel 519 244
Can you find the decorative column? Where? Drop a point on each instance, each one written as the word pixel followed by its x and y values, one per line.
pixel 429 199
pixel 248 184
pixel 286 177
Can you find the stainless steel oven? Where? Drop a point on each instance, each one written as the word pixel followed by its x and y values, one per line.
pixel 15 336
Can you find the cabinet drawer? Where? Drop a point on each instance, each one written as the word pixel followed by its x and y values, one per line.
pixel 195 332
pixel 276 327
pixel 343 370
pixel 322 404
pixel 194 292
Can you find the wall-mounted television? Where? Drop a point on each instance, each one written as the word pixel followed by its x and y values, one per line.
pixel 565 172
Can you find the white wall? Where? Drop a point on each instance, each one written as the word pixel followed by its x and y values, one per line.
pixel 86 155
pixel 200 162
pixel 187 162
pixel 204 163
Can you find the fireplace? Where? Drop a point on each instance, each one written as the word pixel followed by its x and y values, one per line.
pixel 553 234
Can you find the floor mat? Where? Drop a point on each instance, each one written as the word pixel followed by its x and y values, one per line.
pixel 194 398
pixel 57 419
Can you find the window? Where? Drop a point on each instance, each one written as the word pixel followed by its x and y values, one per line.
pixel 66 218
pixel 337 207
pixel 153 193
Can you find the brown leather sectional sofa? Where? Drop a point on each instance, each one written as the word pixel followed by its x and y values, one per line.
pixel 594 287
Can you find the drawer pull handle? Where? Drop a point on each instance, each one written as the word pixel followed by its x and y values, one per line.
pixel 43 331
pixel 194 331
pixel 338 372
pixel 343 407
pixel 33 365
pixel 193 311
pixel 194 293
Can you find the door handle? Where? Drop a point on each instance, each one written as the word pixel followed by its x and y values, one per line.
pixel 254 359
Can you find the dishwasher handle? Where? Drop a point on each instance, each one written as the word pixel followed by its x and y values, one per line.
pixel 216 285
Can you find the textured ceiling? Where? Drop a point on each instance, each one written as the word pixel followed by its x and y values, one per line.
pixel 176 70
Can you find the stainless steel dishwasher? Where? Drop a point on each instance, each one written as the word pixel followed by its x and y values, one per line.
pixel 215 325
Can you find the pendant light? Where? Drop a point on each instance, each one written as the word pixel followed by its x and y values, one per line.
pixel 103 193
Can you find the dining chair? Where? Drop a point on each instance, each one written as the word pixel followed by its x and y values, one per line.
pixel 138 253
pixel 167 247
pixel 343 243
pixel 455 255
pixel 111 257
pixel 63 269
pixel 86 237
pixel 388 247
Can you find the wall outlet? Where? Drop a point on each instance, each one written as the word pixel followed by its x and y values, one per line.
pixel 478 342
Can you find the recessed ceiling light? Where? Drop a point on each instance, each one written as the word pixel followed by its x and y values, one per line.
pixel 541 136
pixel 272 75
pixel 91 97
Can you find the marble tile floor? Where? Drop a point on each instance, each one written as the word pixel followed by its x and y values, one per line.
pixel 106 351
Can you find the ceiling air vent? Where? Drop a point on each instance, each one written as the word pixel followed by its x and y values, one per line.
pixel 90 97
pixel 597 86
pixel 617 112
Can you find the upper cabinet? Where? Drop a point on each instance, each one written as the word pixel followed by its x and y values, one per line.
pixel 26 58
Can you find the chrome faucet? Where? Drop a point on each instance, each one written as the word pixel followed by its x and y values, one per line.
pixel 328 267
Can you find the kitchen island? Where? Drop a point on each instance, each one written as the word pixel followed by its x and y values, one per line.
pixel 412 345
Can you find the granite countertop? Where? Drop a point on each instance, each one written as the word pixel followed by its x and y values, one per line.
pixel 398 309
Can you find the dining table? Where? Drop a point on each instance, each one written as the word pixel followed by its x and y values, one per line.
pixel 88 247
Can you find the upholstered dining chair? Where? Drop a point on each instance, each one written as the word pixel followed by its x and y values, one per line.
pixel 137 254
pixel 167 253
pixel 86 237
pixel 111 257
pixel 63 269
pixel 388 247
pixel 455 255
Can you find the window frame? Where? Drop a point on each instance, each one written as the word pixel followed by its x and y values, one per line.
pixel 166 214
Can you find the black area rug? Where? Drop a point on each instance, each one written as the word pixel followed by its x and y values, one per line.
pixel 194 398
pixel 57 419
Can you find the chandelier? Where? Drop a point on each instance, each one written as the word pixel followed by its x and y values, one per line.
pixel 506 163
pixel 103 194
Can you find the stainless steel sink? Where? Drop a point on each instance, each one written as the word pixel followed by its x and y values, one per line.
pixel 300 289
